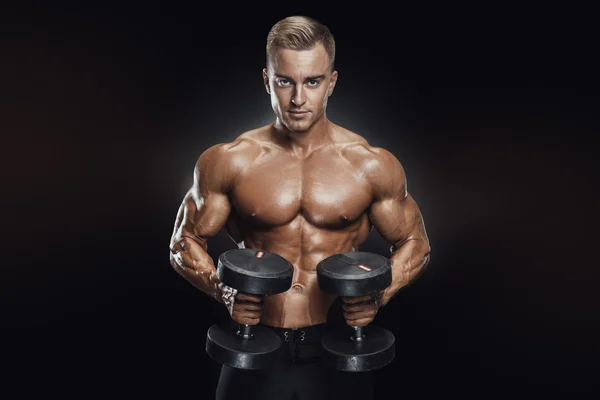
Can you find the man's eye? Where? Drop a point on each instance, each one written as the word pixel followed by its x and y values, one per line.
pixel 282 82
pixel 313 82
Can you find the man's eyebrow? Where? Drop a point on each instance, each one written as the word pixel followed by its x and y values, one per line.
pixel 283 76
pixel 317 77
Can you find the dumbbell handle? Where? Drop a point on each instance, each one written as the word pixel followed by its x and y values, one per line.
pixel 245 331
pixel 358 334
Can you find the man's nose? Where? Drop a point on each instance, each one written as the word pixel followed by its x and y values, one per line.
pixel 299 98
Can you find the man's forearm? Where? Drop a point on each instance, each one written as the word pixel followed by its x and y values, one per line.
pixel 408 260
pixel 191 260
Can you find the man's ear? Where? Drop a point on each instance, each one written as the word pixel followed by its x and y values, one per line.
pixel 266 80
pixel 332 82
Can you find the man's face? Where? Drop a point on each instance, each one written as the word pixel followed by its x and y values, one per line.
pixel 299 82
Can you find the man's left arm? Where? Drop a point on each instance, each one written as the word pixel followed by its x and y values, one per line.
pixel 398 219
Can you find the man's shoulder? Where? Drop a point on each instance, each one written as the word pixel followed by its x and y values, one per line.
pixel 344 137
pixel 219 165
pixel 358 150
pixel 244 146
pixel 377 165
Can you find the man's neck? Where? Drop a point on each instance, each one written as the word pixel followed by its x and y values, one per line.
pixel 301 144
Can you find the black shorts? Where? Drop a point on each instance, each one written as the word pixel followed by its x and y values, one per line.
pixel 298 373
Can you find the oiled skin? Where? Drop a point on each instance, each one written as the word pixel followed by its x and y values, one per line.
pixel 304 208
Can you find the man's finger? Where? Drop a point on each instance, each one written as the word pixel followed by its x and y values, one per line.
pixel 248 297
pixel 370 305
pixel 360 322
pixel 246 314
pixel 357 299
pixel 248 306
pixel 359 315
pixel 246 320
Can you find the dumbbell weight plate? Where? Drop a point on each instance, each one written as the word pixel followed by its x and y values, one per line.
pixel 256 272
pixel 375 351
pixel 225 347
pixel 356 274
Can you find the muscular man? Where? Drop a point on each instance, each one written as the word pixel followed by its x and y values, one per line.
pixel 304 188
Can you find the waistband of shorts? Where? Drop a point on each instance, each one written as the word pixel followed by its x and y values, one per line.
pixel 309 334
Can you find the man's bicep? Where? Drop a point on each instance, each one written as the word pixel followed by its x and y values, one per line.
pixel 395 218
pixel 206 206
pixel 394 212
pixel 204 216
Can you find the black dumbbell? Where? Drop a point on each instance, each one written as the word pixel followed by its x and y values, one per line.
pixel 354 274
pixel 256 272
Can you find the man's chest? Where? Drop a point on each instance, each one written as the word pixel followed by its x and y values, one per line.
pixel 328 191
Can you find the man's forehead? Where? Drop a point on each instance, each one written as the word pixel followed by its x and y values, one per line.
pixel 304 62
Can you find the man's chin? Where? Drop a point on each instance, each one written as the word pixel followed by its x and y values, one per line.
pixel 297 126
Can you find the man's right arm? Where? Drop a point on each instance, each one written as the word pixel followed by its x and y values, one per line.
pixel 202 214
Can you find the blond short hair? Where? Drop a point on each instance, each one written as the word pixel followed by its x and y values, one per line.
pixel 300 33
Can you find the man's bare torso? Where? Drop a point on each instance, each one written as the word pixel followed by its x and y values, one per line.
pixel 302 208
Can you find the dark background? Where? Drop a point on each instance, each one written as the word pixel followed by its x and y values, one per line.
pixel 492 112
